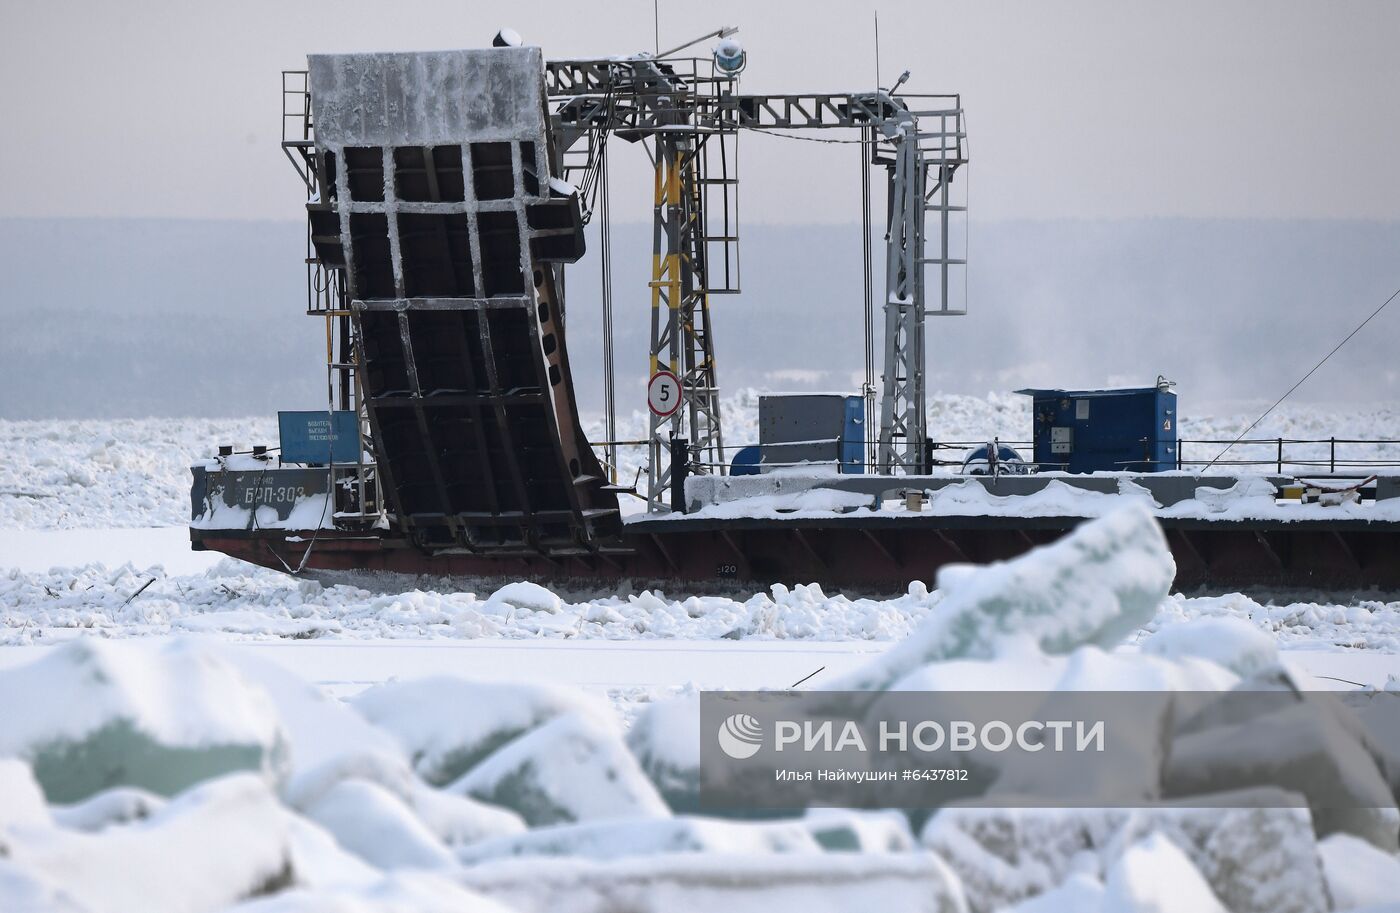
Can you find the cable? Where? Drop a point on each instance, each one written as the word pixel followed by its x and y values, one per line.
pixel 1345 681
pixel 868 392
pixel 805 139
pixel 1395 294
pixel 609 362
pixel 877 47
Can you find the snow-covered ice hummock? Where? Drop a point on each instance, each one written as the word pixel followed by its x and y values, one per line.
pixel 576 767
pixel 95 714
pixel 189 776
pixel 1095 586
pixel 448 724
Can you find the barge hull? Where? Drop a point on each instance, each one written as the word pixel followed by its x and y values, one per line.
pixel 875 555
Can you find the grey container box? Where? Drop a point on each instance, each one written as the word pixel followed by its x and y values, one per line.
pixel 800 427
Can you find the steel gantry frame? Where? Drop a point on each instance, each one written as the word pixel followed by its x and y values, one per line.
pixel 656 102
pixel 680 319
pixel 680 108
pixel 921 169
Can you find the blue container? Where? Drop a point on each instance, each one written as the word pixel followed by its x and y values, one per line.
pixel 853 436
pixel 811 427
pixel 745 462
pixel 1128 430
pixel 319 437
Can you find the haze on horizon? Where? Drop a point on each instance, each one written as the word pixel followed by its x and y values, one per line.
pixel 1199 189
pixel 1078 109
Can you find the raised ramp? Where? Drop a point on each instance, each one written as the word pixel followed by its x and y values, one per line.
pixel 451 231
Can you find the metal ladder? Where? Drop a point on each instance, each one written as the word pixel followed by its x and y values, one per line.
pixel 326 298
pixel 941 154
pixel 717 199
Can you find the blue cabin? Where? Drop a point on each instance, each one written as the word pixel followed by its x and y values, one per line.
pixel 794 428
pixel 1127 430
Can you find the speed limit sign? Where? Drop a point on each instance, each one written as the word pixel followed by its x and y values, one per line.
pixel 664 393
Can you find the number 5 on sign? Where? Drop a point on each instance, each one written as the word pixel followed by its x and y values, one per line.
pixel 664 393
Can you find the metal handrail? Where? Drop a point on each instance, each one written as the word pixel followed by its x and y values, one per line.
pixel 1278 463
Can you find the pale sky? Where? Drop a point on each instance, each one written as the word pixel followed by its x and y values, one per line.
pixel 1101 109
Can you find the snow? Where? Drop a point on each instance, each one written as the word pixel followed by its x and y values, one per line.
pixel 1002 856
pixel 1258 854
pixel 662 739
pixel 402 892
pixel 1261 858
pixel 120 805
pixel 460 820
pixel 560 800
pixel 1230 642
pixel 647 837
pixel 1361 621
pixel 1304 747
pixel 806 502
pixel 319 731
pixel 800 495
pixel 235 600
pixel 369 763
pixel 1358 874
pixel 23 891
pixel 167 549
pixel 377 826
pixel 447 724
pixel 165 717
pixel 1092 669
pixel 21 799
pixel 1379 716
pixel 1155 876
pixel 347 665
pixel 1056 499
pixel 1036 671
pixel 525 595
pixel 573 768
pixel 453 819
pixel 1131 768
pixel 1079 893
pixel 110 474
pixel 129 473
pixel 1088 668
pixel 704 883
pixel 1095 585
pixel 361 798
pixel 317 860
pixel 213 845
pixel 840 829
